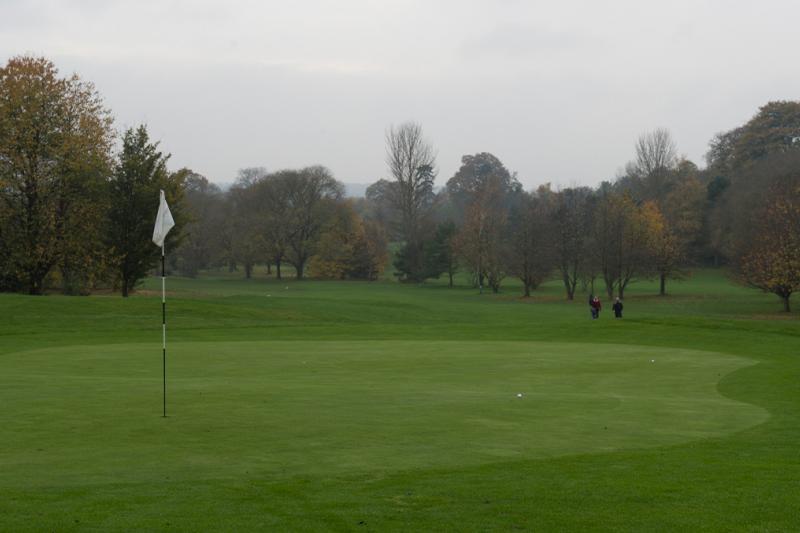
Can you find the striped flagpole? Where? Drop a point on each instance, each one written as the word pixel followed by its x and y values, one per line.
pixel 164 223
pixel 164 327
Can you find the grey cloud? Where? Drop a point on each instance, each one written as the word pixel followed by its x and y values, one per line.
pixel 526 41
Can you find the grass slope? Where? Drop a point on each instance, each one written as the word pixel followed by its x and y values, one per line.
pixel 350 406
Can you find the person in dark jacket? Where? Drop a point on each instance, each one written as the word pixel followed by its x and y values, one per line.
pixel 617 307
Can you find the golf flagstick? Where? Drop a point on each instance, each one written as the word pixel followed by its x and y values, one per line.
pixel 164 223
pixel 164 327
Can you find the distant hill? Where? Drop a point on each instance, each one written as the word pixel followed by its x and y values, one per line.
pixel 351 190
pixel 356 190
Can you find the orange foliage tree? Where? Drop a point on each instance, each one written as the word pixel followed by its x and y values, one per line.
pixel 349 248
pixel 624 235
pixel 769 258
pixel 55 155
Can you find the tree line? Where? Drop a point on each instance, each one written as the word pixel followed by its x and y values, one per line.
pixel 76 214
pixel 72 213
pixel 661 216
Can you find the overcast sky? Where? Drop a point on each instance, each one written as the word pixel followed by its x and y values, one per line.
pixel 559 91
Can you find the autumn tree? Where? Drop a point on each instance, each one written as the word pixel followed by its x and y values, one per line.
pixel 733 158
pixel 531 254
pixel 720 158
pixel 141 171
pixel 205 218
pixel 766 244
pixel 55 141
pixel 311 194
pixel 380 199
pixel 335 249
pixel 769 257
pixel 680 222
pixel 570 222
pixel 623 234
pixel 671 186
pixel 271 217
pixel 472 178
pixel 665 251
pixel 243 239
pixel 774 129
pixel 370 253
pixel 348 247
pixel 483 239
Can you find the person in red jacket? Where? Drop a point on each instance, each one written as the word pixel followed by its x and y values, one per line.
pixel 596 306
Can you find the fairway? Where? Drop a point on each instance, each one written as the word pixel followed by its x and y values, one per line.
pixel 278 409
pixel 335 406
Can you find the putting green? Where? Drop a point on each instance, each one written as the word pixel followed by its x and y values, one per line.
pixel 92 414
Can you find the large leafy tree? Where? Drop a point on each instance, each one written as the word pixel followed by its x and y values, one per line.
pixel 272 218
pixel 381 207
pixel 570 223
pixel 473 176
pixel 202 245
pixel 243 235
pixel 483 240
pixel 623 234
pixel 770 259
pixel 766 249
pixel 348 247
pixel 774 129
pixel 679 223
pixel 140 173
pixel 674 196
pixel 311 194
pixel 738 160
pixel 531 254
pixel 55 140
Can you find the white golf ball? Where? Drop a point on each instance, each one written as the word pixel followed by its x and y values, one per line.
pixel 652 360
pixel 519 395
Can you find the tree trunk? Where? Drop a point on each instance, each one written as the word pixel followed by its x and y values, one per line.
pixel 527 289
pixel 248 270
pixel 299 267
pixel 786 303
pixel 621 291
pixel 124 287
pixel 450 274
pixel 663 291
pixel 278 268
pixel 269 269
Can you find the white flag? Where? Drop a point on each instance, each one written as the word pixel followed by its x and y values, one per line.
pixel 164 222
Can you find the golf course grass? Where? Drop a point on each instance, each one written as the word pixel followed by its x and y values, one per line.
pixel 379 406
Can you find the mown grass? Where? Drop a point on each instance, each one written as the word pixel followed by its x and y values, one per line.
pixel 379 406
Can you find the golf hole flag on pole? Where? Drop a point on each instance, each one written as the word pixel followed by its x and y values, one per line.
pixel 164 223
